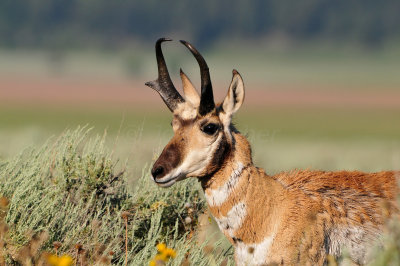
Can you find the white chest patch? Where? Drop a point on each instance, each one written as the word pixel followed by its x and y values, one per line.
pixel 253 254
pixel 233 220
pixel 216 197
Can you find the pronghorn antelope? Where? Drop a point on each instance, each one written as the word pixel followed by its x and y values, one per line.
pixel 297 217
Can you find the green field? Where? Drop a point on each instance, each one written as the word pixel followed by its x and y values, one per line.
pixel 282 139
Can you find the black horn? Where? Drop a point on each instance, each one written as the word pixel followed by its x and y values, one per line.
pixel 207 99
pixel 163 84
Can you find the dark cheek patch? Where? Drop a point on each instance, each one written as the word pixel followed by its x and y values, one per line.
pixel 172 155
pixel 220 154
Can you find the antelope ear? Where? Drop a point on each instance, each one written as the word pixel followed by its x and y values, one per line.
pixel 191 95
pixel 235 96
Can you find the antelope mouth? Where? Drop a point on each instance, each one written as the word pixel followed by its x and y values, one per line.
pixel 170 179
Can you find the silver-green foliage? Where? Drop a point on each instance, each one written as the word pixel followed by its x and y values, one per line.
pixel 71 189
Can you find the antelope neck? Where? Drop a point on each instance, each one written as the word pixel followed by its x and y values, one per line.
pixel 234 194
pixel 228 185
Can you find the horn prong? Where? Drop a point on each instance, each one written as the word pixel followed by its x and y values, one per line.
pixel 191 95
pixel 163 84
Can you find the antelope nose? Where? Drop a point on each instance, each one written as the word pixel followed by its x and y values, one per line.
pixel 157 172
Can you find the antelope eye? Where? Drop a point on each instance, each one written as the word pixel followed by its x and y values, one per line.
pixel 210 129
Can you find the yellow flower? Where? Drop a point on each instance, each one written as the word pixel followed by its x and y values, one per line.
pixel 64 260
pixel 170 253
pixel 161 247
pixel 164 254
pixel 161 257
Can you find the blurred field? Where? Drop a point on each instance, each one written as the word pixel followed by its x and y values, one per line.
pixel 316 66
pixel 282 139
pixel 306 107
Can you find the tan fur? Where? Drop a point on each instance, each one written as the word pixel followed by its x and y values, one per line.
pixel 300 207
pixel 292 218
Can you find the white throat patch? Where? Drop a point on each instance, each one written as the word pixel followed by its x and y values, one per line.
pixel 216 197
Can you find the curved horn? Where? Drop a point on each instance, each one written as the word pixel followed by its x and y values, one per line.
pixel 163 84
pixel 207 99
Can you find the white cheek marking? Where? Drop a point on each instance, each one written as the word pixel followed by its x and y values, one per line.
pixel 253 254
pixel 196 161
pixel 233 220
pixel 216 197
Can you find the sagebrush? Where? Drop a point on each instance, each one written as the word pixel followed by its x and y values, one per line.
pixel 72 190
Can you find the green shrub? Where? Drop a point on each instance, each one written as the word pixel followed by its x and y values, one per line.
pixel 70 189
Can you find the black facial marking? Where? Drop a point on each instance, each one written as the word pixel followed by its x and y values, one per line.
pixel 221 152
pixel 219 157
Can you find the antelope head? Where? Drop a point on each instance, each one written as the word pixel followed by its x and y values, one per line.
pixel 203 134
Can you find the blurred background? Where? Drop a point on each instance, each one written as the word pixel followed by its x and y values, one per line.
pixel 322 77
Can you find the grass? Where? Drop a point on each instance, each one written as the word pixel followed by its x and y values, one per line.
pixel 75 191
pixel 70 192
